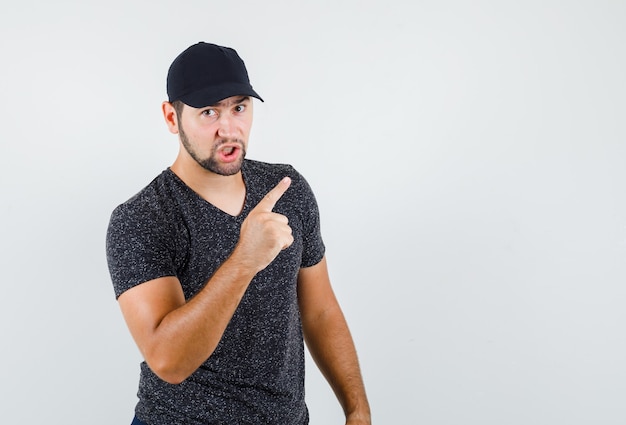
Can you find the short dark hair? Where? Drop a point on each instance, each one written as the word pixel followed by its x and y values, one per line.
pixel 178 107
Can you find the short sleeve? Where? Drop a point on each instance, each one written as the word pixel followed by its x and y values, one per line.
pixel 313 244
pixel 138 247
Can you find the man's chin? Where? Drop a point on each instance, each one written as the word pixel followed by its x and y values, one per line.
pixel 222 169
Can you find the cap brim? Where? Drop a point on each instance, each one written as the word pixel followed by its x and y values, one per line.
pixel 212 95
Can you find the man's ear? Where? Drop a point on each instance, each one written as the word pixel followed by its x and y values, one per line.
pixel 171 119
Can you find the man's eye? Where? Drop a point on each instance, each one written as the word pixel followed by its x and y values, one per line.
pixel 209 112
pixel 240 108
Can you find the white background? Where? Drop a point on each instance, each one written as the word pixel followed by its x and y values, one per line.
pixel 468 159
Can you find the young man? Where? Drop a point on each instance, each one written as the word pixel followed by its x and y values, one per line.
pixel 219 269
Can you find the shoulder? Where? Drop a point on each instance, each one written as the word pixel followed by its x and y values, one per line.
pixel 269 174
pixel 267 170
pixel 152 211
pixel 151 201
pixel 264 176
pixel 145 239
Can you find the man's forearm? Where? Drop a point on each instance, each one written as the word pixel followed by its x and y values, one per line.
pixel 187 336
pixel 332 348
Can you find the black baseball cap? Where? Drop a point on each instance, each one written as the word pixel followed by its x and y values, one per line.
pixel 205 73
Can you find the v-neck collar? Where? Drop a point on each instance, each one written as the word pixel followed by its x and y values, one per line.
pixel 246 203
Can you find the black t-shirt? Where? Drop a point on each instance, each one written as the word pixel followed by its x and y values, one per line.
pixel 256 373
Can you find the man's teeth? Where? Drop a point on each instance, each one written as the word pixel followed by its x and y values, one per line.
pixel 229 150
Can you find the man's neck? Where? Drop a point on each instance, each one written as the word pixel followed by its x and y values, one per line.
pixel 227 193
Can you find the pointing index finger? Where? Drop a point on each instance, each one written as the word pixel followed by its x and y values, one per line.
pixel 272 197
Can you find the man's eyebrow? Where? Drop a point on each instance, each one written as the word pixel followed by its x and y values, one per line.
pixel 237 101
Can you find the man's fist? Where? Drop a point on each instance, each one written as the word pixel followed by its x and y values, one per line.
pixel 264 233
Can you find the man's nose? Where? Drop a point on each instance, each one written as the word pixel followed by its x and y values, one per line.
pixel 225 126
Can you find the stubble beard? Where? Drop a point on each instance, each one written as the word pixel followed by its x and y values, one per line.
pixel 211 163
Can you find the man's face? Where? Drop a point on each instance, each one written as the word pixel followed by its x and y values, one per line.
pixel 216 136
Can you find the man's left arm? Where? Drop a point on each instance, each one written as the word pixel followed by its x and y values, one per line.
pixel 330 343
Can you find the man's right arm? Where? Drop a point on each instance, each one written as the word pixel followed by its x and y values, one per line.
pixel 176 336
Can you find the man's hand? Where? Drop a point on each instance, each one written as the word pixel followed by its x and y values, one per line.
pixel 264 233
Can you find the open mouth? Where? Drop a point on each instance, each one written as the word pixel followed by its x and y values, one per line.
pixel 229 153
